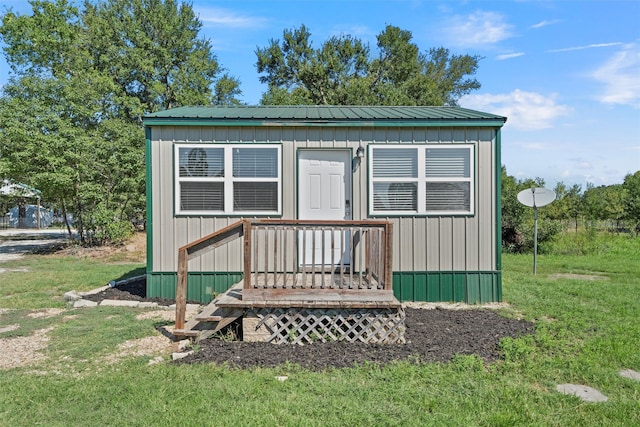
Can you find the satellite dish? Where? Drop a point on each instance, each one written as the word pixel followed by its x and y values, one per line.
pixel 535 197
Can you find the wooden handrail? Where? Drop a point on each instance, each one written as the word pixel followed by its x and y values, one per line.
pixel 375 256
pixel 197 248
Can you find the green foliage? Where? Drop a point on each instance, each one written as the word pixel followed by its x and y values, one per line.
pixel 70 118
pixel 518 219
pixel 604 202
pixel 107 228
pixel 631 196
pixel 590 242
pixel 344 72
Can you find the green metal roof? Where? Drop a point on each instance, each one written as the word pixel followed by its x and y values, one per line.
pixel 322 115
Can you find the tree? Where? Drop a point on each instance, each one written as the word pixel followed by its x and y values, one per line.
pixel 343 72
pixel 71 115
pixel 151 50
pixel 604 203
pixel 632 200
pixel 518 220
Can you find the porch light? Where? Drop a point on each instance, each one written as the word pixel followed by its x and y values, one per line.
pixel 360 152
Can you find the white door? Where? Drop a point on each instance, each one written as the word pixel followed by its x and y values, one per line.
pixel 324 193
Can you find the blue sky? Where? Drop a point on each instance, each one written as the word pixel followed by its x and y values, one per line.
pixel 565 73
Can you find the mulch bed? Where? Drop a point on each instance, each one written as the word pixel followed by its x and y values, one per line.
pixel 434 335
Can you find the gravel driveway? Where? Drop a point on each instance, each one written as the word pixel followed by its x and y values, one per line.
pixel 15 243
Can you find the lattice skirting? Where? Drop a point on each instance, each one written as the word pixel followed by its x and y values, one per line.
pixel 305 326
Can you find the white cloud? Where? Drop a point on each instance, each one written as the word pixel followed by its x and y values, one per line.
pixel 545 23
pixel 589 46
pixel 524 110
pixel 211 16
pixel 477 29
pixel 620 76
pixel 509 56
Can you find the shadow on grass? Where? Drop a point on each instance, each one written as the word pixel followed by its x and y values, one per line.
pixel 140 271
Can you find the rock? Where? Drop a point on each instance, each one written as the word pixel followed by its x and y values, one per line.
pixel 282 378
pixel 71 296
pixel 184 344
pixel 145 304
pixel 84 303
pixel 119 303
pixel 9 328
pixel 94 291
pixel 631 374
pixel 584 392
pixel 176 356
pixel 156 360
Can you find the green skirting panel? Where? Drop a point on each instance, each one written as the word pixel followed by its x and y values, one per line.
pixel 201 286
pixel 471 287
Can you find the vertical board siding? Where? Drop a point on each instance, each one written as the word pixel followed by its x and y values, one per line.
pixel 424 243
pixel 466 287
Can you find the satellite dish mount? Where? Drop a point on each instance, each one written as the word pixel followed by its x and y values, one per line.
pixel 535 198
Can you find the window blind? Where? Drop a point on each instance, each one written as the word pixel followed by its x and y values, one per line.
pixel 395 162
pixel 202 196
pixel 447 162
pixel 201 161
pixel 254 162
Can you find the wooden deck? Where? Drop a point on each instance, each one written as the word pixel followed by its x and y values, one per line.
pixel 237 297
pixel 280 273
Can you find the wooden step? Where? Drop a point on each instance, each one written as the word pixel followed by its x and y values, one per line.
pixel 209 321
pixel 211 313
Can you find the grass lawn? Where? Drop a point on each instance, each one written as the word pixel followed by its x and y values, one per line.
pixel 586 309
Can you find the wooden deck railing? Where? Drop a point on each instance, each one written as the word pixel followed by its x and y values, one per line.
pixel 285 259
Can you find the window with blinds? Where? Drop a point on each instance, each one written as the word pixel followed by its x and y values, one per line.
pixel 421 179
pixel 228 179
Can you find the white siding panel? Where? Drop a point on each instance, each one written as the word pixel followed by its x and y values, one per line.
pixel 459 243
pixel 433 244
pixel 472 248
pixel 419 244
pixel 446 243
pixel 405 249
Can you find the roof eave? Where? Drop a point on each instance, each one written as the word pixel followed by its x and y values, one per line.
pixel 203 121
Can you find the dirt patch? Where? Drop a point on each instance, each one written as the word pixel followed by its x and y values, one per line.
pixel 147 346
pixel 22 351
pixel 45 313
pixel 132 252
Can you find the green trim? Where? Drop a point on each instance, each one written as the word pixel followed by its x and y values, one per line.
pixel 201 285
pixel 149 205
pixel 498 172
pixel 471 287
pixel 368 124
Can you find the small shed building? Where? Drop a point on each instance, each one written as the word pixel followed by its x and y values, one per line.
pixel 433 172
